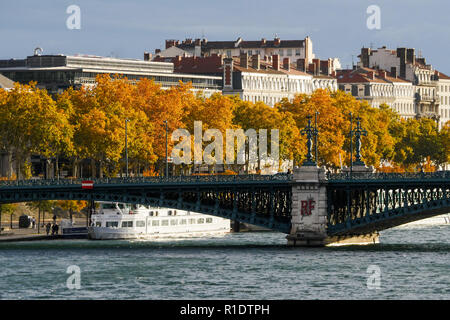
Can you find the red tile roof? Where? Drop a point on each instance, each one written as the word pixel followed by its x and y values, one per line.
pixel 441 75
pixel 362 75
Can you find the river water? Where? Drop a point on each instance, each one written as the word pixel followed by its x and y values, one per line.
pixel 411 262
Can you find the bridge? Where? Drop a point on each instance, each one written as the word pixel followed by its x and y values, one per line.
pixel 311 206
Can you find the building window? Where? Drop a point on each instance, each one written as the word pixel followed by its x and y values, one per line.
pixel 297 52
pixel 249 52
pixel 281 52
pixel 229 53
pixel 289 52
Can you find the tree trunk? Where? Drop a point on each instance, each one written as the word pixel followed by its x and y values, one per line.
pixel 93 173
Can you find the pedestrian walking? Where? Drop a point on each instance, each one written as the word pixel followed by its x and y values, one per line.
pixel 47 227
pixel 33 223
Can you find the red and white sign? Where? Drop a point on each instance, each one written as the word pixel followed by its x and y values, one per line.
pixel 87 184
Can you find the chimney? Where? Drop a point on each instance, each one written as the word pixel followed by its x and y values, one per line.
pixel 198 42
pixel 312 68
pixel 308 50
pixel 263 41
pixel 187 41
pixel 276 41
pixel 317 66
pixel 244 60
pixel 170 43
pixel 228 73
pixel 365 53
pixel 147 56
pixel 410 56
pixel 325 66
pixel 394 72
pixel 401 53
pixel 301 65
pixel 276 62
pixel 287 64
pixel 255 61
pixel 157 51
pixel 421 61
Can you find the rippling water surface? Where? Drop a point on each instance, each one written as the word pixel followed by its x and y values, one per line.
pixel 414 262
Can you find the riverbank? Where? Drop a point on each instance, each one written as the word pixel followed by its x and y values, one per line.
pixel 7 237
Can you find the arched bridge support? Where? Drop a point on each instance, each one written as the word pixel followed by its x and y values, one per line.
pixel 309 216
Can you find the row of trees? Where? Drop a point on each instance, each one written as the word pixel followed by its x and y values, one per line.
pixel 90 124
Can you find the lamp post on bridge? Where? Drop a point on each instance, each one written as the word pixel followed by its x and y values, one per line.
pixel 358 133
pixel 315 138
pixel 351 143
pixel 167 161
pixel 126 146
pixel 310 132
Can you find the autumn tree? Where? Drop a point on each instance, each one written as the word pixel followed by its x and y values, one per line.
pixel 259 116
pixel 31 123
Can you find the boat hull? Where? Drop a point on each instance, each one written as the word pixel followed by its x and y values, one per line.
pixel 100 233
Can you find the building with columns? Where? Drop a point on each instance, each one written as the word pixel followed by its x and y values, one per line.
pixel 443 90
pixel 403 63
pixel 379 87
pixel 293 49
pixel 255 79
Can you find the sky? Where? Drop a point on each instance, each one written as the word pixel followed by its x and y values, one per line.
pixel 126 29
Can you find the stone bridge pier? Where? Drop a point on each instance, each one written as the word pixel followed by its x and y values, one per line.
pixel 310 211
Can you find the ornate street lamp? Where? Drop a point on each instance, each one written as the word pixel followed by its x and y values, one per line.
pixel 167 161
pixel 315 137
pixel 126 145
pixel 310 132
pixel 358 133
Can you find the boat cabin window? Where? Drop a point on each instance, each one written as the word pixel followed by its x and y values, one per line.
pixel 191 221
pixel 183 221
pixel 201 220
pixel 108 205
pixel 127 224
pixel 208 220
pixel 170 213
pixel 150 213
pixel 98 224
pixel 112 224
pixel 174 212
pixel 173 222
pixel 140 224
pixel 155 223
pixel 165 222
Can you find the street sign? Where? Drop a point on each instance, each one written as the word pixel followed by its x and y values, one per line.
pixel 87 184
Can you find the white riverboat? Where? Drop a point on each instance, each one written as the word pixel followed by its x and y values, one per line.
pixel 115 220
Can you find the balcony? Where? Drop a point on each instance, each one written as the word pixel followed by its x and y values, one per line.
pixel 427 98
